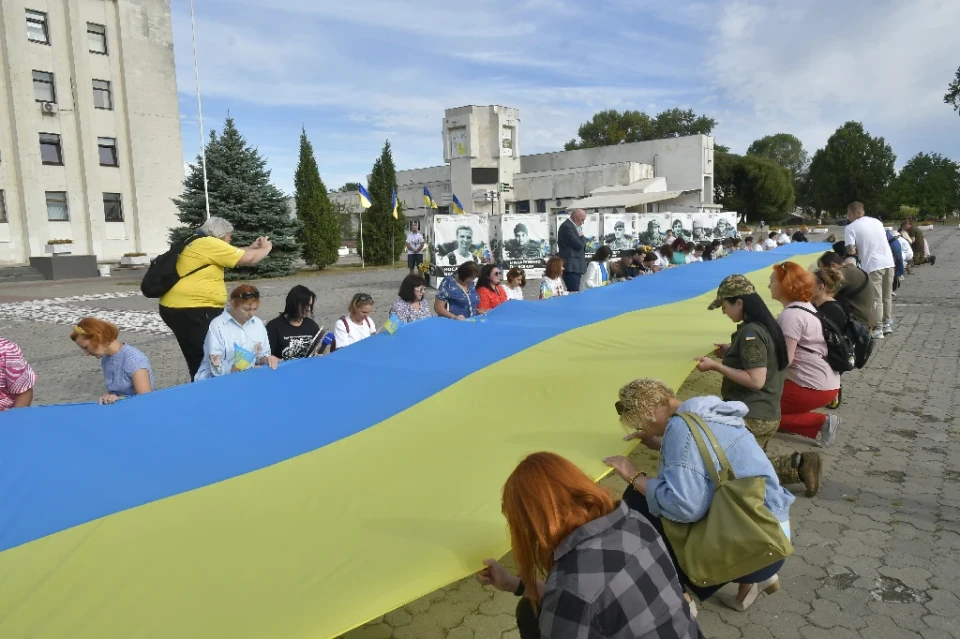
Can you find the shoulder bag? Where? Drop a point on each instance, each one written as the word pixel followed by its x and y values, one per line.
pixel 738 535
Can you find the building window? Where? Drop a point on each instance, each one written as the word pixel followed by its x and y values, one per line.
pixel 43 87
pixel 485 175
pixel 50 150
pixel 3 206
pixel 37 27
pixel 650 208
pixel 102 96
pixel 97 38
pixel 57 210
pixel 523 207
pixel 107 149
pixel 541 206
pixel 112 207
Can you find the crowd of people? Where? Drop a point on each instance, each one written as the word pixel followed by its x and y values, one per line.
pixel 590 565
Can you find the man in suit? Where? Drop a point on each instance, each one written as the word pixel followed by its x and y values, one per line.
pixel 571 245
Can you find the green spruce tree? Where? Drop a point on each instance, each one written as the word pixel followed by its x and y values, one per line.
pixel 383 236
pixel 320 225
pixel 241 193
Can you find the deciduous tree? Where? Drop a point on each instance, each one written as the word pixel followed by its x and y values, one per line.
pixel 614 127
pixel 753 186
pixel 853 166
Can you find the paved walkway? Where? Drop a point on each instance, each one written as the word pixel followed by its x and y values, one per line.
pixel 878 551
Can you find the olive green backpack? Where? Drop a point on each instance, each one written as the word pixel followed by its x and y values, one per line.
pixel 738 535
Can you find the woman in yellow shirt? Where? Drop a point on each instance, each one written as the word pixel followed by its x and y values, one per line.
pixel 201 294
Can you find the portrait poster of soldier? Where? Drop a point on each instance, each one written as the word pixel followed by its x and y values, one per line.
pixel 653 228
pixel 591 232
pixel 682 225
pixel 724 225
pixel 702 229
pixel 459 239
pixel 526 241
pixel 620 231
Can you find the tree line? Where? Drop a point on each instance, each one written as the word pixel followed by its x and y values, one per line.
pixel 240 191
pixel 777 175
pixel 774 176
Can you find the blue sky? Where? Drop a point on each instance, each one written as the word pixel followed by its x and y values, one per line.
pixel 357 73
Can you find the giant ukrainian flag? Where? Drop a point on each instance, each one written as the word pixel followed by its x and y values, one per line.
pixel 305 501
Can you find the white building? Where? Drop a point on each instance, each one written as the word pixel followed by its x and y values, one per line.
pixel 89 127
pixel 481 148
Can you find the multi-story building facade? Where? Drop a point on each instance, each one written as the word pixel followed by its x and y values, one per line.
pixel 481 148
pixel 90 146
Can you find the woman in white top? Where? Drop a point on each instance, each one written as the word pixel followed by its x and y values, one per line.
pixel 237 340
pixel 771 242
pixel 516 280
pixel 811 382
pixel 598 270
pixel 356 325
pixel 664 256
pixel 552 283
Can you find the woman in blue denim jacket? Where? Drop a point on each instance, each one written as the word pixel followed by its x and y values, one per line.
pixel 682 491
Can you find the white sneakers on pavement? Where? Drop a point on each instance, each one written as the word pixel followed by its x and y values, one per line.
pixel 828 434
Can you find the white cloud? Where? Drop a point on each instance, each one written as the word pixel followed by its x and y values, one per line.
pixel 360 72
pixel 806 68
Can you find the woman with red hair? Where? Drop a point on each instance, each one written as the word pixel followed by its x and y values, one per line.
pixel 811 382
pixel 126 370
pixel 605 567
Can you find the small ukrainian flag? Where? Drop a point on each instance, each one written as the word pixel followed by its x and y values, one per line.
pixel 364 197
pixel 393 204
pixel 428 199
pixel 457 207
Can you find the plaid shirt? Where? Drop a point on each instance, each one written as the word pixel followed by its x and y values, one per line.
pixel 613 579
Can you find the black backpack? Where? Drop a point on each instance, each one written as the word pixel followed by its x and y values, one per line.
pixel 841 354
pixel 863 343
pixel 161 275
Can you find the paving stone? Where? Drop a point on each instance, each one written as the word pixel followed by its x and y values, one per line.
pixel 827 614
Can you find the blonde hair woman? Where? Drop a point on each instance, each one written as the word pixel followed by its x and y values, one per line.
pixel 682 491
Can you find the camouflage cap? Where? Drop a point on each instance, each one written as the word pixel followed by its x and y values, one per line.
pixel 732 286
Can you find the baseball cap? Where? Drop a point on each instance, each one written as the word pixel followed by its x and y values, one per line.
pixel 732 286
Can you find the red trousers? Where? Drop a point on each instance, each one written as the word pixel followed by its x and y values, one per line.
pixel 796 406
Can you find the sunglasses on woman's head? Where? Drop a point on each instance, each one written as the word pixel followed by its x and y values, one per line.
pixel 249 296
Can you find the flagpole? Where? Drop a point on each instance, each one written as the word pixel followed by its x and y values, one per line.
pixel 363 263
pixel 203 150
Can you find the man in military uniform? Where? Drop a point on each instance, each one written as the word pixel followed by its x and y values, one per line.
pixel 724 229
pixel 699 232
pixel 620 241
pixel 521 247
pixel 751 359
pixel 653 235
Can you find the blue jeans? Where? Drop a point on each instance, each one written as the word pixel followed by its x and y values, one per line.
pixel 638 502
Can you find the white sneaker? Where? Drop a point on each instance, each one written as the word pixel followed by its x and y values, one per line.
pixel 887 329
pixel 828 434
pixel 877 333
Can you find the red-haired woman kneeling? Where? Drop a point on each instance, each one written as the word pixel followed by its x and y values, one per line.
pixel 811 382
pixel 605 567
pixel 126 370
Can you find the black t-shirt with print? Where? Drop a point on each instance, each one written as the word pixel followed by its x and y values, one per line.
pixel 288 341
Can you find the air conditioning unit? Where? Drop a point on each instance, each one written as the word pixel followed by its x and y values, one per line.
pixel 48 108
